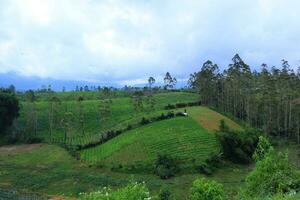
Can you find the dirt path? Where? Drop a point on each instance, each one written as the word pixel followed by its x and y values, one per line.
pixel 15 149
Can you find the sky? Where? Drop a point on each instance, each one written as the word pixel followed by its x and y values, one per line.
pixel 126 41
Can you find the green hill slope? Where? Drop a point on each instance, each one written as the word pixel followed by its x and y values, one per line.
pixel 181 137
pixel 122 112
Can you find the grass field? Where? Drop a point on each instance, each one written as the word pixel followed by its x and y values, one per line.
pixel 210 120
pixel 122 113
pixel 182 137
pixel 50 170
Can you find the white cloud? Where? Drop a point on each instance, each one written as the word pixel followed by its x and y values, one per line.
pixel 125 41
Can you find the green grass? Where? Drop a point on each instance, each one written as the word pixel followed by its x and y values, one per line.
pixel 210 120
pixel 181 137
pixel 122 114
pixel 50 170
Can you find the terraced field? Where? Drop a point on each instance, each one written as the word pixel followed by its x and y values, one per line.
pixel 181 137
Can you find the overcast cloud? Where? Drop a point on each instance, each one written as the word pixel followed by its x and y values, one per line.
pixel 127 41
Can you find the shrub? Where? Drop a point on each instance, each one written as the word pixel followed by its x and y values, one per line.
pixel 170 107
pixel 272 175
pixel 238 146
pixel 144 121
pixel 170 115
pixel 164 194
pixel 129 127
pixel 181 105
pixel 223 126
pixel 204 168
pixel 263 147
pixel 203 189
pixel 133 191
pixel 165 166
pixel 209 165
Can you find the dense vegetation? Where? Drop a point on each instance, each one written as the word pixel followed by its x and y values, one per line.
pixel 9 110
pixel 267 99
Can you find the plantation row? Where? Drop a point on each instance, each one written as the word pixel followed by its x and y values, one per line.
pixel 80 122
pixel 186 141
pixel 87 141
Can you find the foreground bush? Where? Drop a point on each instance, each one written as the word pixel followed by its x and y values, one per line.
pixel 134 191
pixel 203 189
pixel 275 197
pixel 272 175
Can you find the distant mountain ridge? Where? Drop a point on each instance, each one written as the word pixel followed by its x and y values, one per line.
pixel 23 83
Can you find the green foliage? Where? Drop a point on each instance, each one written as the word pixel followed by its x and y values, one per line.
pixel 238 146
pixel 9 110
pixel 263 147
pixel 275 197
pixel 164 194
pixel 272 175
pixel 133 191
pixel 223 126
pixel 165 166
pixel 203 189
pixel 209 165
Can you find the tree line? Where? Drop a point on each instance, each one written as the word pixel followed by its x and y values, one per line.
pixel 267 99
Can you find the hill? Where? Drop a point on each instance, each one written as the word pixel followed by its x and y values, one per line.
pixel 122 112
pixel 183 137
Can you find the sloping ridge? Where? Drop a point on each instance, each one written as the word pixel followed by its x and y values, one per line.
pixel 182 137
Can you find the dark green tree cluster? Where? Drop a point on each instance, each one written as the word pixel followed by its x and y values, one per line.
pixel 9 109
pixel 267 100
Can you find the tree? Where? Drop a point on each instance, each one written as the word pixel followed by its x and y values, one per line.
pixel 150 101
pixel 106 92
pixel 104 110
pixel 80 116
pixel 137 100
pixel 9 109
pixel 12 89
pixel 274 174
pixel 31 113
pixel 206 83
pixel 67 124
pixel 86 88
pixel 266 100
pixel 203 189
pixel 169 81
pixel 151 81
pixel 53 112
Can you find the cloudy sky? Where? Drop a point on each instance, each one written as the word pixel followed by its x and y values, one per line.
pixel 126 41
